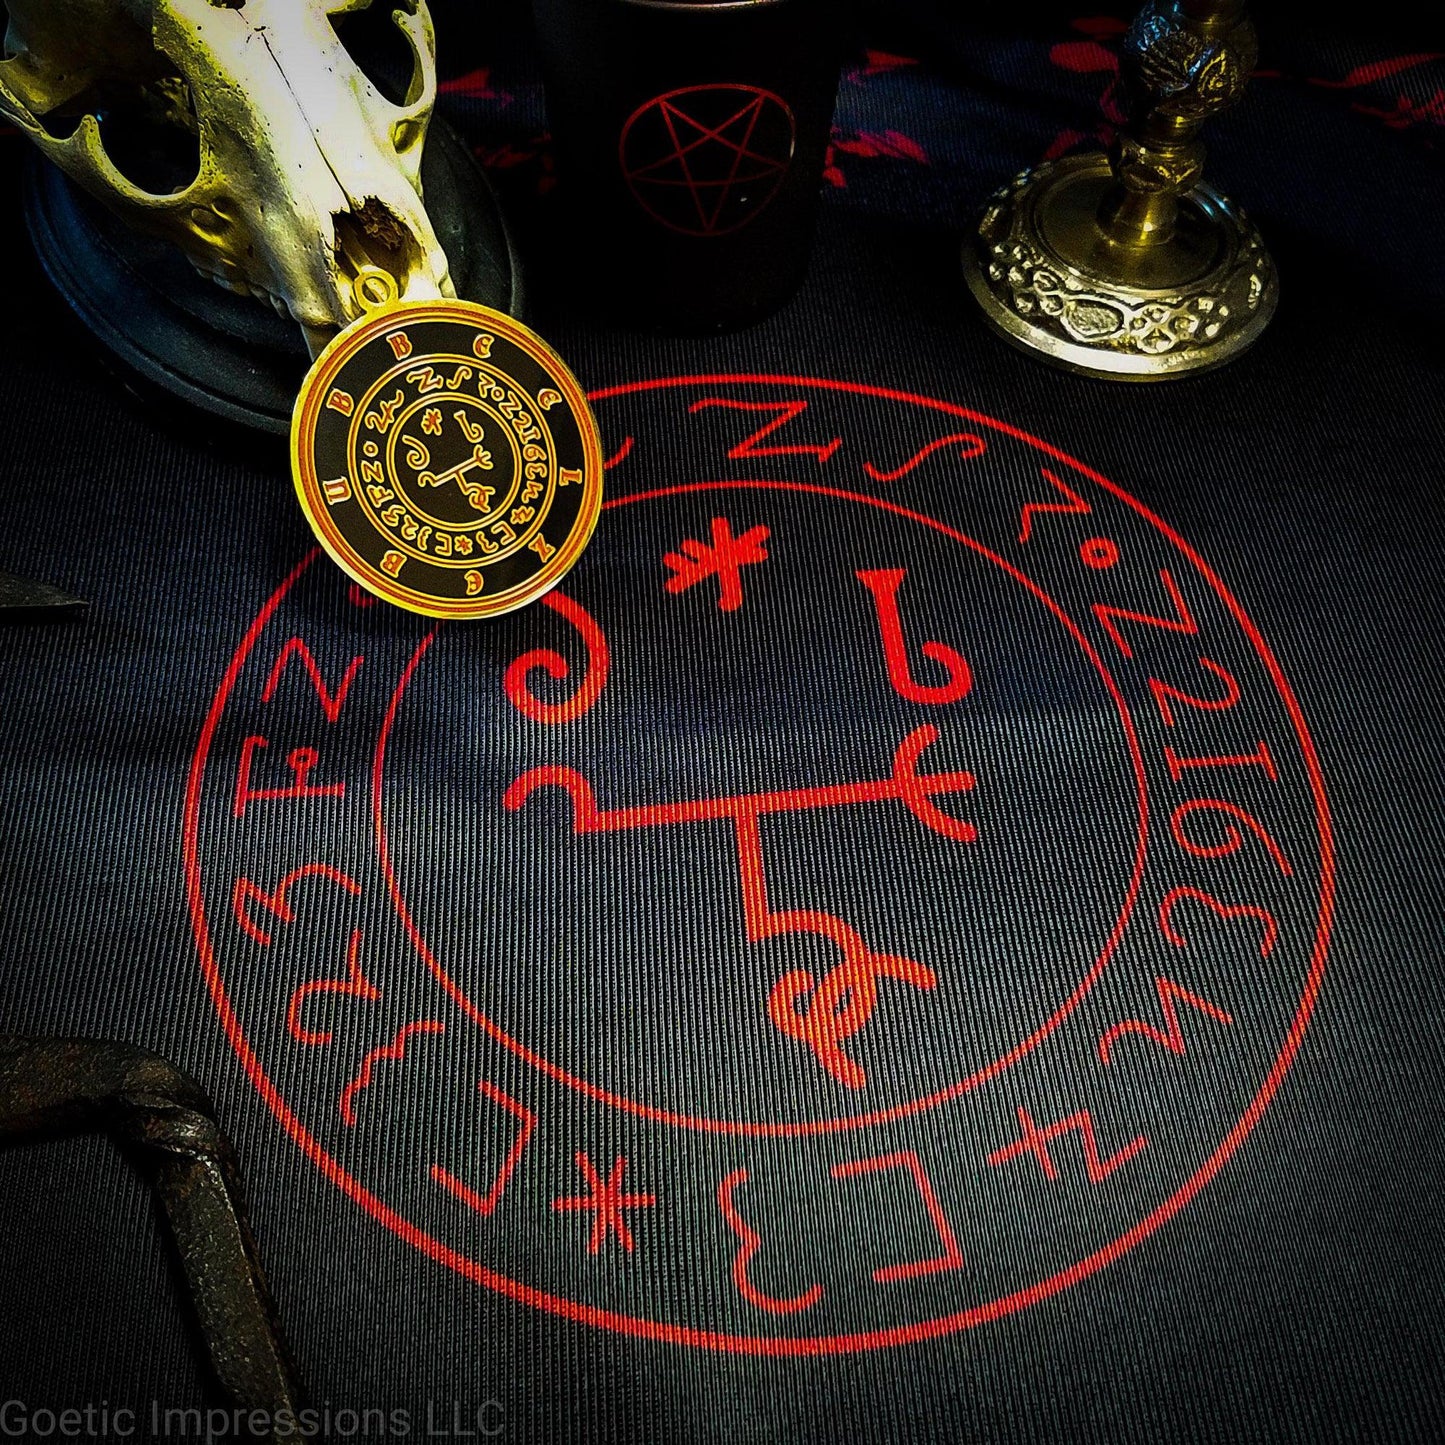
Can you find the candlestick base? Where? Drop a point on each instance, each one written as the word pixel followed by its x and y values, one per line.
pixel 1049 279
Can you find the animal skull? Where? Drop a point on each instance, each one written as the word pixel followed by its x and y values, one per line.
pixel 307 173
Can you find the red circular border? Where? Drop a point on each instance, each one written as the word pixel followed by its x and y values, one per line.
pixel 702 1124
pixel 751 1344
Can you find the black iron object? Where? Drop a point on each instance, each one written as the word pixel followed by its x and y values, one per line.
pixel 22 601
pixel 60 1086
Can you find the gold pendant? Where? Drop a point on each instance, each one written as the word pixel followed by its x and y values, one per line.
pixel 445 456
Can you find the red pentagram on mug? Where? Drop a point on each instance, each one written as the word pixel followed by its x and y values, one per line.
pixel 884 884
pixel 707 159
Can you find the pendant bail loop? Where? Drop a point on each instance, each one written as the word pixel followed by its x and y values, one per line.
pixel 374 289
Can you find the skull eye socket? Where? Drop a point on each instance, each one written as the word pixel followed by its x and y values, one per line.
pixel 59 83
pixel 155 144
pixel 381 51
pixel 143 106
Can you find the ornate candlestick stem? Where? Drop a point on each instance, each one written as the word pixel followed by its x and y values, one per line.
pixel 1129 265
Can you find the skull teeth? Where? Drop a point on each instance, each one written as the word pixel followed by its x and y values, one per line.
pixel 239 287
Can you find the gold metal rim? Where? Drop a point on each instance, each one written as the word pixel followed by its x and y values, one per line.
pixel 308 484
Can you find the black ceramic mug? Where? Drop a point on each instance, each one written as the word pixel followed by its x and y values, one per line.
pixel 690 139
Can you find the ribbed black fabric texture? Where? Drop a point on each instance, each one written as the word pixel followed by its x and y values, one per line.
pixel 1297 1296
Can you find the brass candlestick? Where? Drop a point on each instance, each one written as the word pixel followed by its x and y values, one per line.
pixel 1128 265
